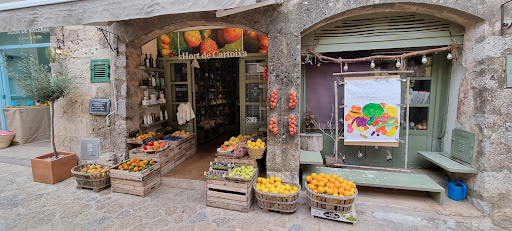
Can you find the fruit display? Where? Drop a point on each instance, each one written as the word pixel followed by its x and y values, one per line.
pixel 235 140
pixel 144 136
pixel 273 99
pixel 181 133
pixel 331 185
pixel 154 145
pixel 242 172
pixel 136 165
pixel 257 144
pixel 172 138
pixel 96 169
pixel 216 174
pixel 293 99
pixel 221 165
pixel 292 125
pixel 273 125
pixel 274 185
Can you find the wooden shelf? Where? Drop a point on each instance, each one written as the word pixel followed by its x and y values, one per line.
pixel 150 69
pixel 147 87
pixel 153 124
pixel 153 105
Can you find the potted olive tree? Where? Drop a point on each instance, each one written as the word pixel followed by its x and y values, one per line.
pixel 38 82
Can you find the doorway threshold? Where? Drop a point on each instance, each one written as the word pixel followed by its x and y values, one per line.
pixel 183 183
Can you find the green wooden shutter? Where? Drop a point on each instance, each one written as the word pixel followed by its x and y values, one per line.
pixel 382 31
pixel 462 145
pixel 100 70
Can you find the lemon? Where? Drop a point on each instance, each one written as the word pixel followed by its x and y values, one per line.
pixel 259 141
pixel 277 179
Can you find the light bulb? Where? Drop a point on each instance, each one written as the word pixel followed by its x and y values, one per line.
pixel 58 50
pixel 424 59
pixel 449 56
pixel 372 65
pixel 398 64
pixel 345 67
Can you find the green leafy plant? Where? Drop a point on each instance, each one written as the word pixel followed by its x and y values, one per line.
pixel 38 82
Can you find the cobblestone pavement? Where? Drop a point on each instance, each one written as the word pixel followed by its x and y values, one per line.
pixel 27 205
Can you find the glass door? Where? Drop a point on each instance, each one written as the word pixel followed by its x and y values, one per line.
pixel 179 82
pixel 253 94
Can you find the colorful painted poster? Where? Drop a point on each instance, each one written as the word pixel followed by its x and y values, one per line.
pixel 211 43
pixel 372 111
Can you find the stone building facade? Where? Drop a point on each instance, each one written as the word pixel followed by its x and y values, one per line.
pixel 479 101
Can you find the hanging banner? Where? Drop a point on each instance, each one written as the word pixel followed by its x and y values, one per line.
pixel 372 111
pixel 211 43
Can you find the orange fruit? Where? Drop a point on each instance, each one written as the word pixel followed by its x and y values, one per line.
pixel 308 179
pixel 314 182
pixel 327 177
pixel 326 181
pixel 337 184
pixel 136 169
pixel 347 188
pixel 347 193
pixel 165 39
pixel 334 176
pixel 332 180
pixel 341 190
pixel 253 35
pixel 322 174
pixel 208 46
pixel 319 178
pixel 264 43
pixel 330 185
pixel 313 175
pixel 335 194
pixel 340 180
pixel 230 35
pixel 336 190
pixel 321 190
pixel 321 184
pixel 330 191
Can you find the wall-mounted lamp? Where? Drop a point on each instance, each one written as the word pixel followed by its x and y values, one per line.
pixel 372 65
pixel 424 59
pixel 345 67
pixel 398 64
pixel 60 44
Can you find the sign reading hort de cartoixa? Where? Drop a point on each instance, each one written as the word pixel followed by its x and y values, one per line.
pixel 211 43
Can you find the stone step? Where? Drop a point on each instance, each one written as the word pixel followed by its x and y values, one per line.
pixel 183 183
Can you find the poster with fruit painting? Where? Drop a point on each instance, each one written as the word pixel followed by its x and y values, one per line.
pixel 372 111
pixel 211 41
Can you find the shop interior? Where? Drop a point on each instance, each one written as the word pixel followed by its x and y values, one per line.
pixel 226 95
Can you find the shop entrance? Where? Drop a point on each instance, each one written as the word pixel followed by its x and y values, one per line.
pixel 227 96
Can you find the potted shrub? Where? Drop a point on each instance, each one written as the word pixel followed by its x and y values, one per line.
pixel 38 82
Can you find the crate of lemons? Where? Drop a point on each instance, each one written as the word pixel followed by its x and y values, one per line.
pixel 101 171
pixel 136 165
pixel 330 185
pixel 181 133
pixel 274 185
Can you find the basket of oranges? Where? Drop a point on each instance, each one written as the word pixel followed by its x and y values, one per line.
pixel 330 192
pixel 272 194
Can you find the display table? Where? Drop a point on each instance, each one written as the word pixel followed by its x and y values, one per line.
pixel 30 123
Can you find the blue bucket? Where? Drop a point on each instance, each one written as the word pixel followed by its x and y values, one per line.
pixel 456 190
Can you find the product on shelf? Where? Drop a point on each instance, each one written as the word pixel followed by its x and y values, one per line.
pixel 273 99
pixel 293 99
pixel 181 133
pixel 273 125
pixel 292 125
pixel 136 165
pixel 242 172
pixel 144 136
pixel 154 145
pixel 257 144
pixel 330 184
pixel 274 185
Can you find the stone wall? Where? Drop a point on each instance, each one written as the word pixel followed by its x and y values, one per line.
pixel 482 105
pixel 72 118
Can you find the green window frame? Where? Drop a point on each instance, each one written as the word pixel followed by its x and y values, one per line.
pixel 100 71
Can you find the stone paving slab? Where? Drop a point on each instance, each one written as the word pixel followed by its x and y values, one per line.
pixel 27 205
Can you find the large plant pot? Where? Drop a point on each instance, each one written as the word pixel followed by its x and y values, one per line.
pixel 53 171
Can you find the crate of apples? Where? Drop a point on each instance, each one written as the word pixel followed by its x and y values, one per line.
pixel 154 146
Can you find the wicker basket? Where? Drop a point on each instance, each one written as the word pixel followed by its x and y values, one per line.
pixel 330 202
pixel 285 203
pixel 240 150
pixel 94 181
pixel 256 153
pixel 5 140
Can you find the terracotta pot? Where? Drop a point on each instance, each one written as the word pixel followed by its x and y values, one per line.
pixel 53 171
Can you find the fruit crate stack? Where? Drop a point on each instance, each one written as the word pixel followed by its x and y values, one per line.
pixel 243 161
pixel 165 158
pixel 185 148
pixel 139 183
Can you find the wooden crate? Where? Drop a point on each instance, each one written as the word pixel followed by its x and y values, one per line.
pixel 136 183
pixel 165 158
pixel 231 195
pixel 243 161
